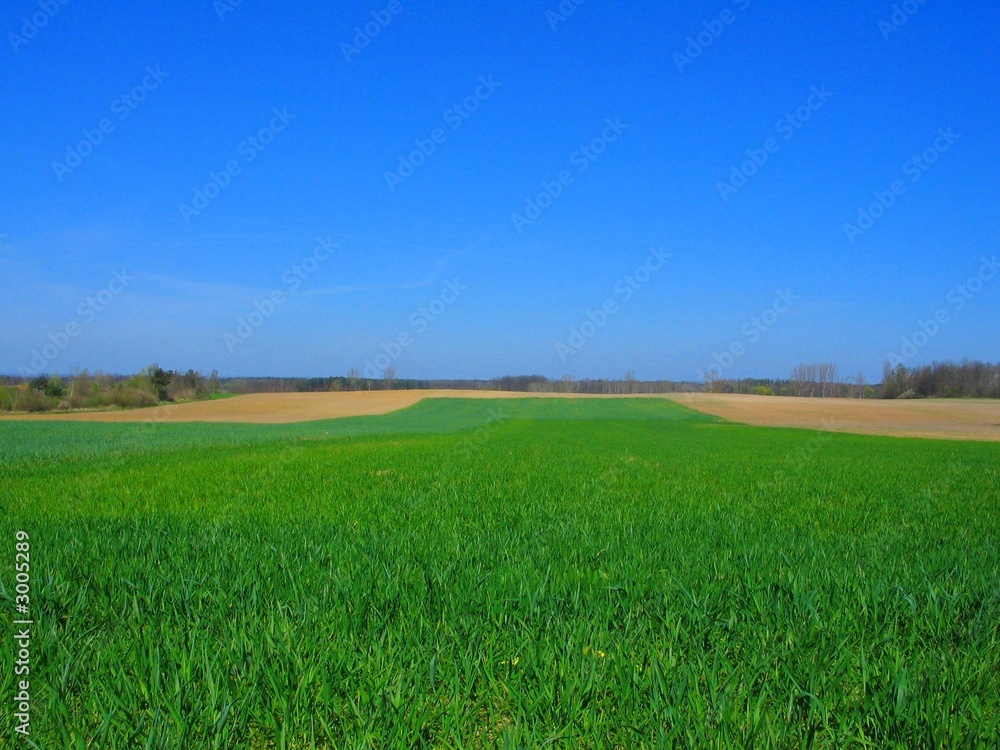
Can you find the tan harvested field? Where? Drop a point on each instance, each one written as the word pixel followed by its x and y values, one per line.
pixel 934 418
pixel 967 419
pixel 281 408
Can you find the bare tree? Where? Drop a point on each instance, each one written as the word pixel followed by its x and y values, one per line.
pixel 629 381
pixel 859 381
pixel 389 376
pixel 805 376
pixel 567 383
pixel 808 376
pixel 353 376
pixel 710 380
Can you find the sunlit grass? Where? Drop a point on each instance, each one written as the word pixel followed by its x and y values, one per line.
pixel 577 573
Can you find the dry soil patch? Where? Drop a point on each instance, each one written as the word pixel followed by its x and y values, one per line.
pixel 965 419
pixel 278 408
pixel 938 418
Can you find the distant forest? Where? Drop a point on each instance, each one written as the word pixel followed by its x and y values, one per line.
pixel 153 385
pixel 966 379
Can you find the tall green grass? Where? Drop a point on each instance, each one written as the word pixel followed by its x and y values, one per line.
pixel 549 573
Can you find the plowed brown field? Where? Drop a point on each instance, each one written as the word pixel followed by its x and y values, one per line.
pixel 971 419
pixel 279 408
pixel 938 418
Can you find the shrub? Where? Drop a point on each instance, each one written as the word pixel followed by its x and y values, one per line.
pixel 129 397
pixel 761 390
pixel 181 394
pixel 189 383
pixel 6 398
pixel 29 399
pixel 55 387
pixel 81 385
pixel 97 400
pixel 77 401
pixel 158 379
pixel 133 387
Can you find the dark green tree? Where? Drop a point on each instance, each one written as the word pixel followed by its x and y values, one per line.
pixel 159 379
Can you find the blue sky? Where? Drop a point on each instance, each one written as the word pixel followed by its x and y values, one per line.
pixel 299 139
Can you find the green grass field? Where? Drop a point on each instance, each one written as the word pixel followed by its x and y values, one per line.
pixel 524 573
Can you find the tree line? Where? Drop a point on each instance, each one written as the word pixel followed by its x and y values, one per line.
pixel 100 390
pixel 948 379
pixel 627 384
pixel 966 379
pixel 153 385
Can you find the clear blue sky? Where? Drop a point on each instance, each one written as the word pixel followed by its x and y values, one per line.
pixel 182 92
